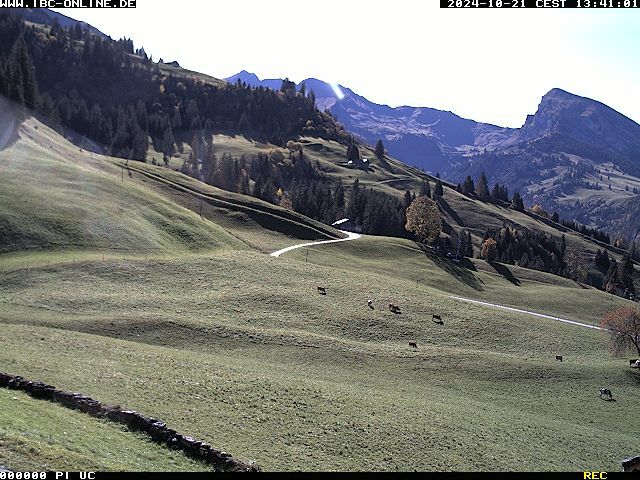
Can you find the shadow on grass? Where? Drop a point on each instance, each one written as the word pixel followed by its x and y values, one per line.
pixel 445 206
pixel 505 272
pixel 633 374
pixel 460 271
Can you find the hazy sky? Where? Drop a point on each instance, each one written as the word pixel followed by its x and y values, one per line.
pixel 488 65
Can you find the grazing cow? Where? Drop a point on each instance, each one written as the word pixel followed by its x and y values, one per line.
pixel 605 394
pixel 394 308
pixel 437 319
pixel 634 363
pixel 322 290
pixel 413 344
pixel 370 303
pixel 559 358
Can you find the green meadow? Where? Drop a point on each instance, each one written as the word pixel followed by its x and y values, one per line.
pixel 183 315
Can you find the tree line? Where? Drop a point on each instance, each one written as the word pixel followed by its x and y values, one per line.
pixel 525 248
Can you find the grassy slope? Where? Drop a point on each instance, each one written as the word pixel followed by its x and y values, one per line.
pixel 611 176
pixel 55 196
pixel 260 225
pixel 62 439
pixel 167 69
pixel 249 357
pixel 237 348
pixel 395 178
pixel 111 210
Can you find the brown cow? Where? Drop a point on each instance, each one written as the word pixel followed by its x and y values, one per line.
pixel 394 308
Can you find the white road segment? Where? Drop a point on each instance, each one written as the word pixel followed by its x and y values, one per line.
pixel 351 236
pixel 557 319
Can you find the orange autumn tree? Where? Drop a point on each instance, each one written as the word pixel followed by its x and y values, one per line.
pixel 623 329
pixel 489 250
pixel 424 220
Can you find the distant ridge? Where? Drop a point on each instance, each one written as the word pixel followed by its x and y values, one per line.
pixel 45 16
pixel 556 159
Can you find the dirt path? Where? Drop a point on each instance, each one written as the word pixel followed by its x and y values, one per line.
pixel 511 309
pixel 351 236
pixel 394 180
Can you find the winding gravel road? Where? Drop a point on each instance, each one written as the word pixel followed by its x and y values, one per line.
pixel 351 236
pixel 356 236
pixel 511 309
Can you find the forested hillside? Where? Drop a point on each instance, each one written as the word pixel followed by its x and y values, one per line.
pixel 119 97
pixel 121 100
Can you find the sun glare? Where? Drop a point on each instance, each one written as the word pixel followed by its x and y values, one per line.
pixel 337 90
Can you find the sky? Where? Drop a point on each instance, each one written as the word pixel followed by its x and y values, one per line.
pixel 490 65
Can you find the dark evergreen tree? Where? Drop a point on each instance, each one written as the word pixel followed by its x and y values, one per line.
pixel 627 272
pixel 482 190
pixel 438 191
pixel 408 198
pixel 468 186
pixel 353 152
pixel 500 193
pixel 517 203
pixel 288 88
pixel 379 151
pixel 614 283
pixel 469 246
pixel 425 189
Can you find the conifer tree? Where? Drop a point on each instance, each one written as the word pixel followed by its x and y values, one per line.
pixel 379 151
pixel 468 186
pixel 482 190
pixel 425 189
pixel 353 152
pixel 517 203
pixel 438 191
pixel 407 199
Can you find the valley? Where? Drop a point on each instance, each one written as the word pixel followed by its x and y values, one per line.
pixel 232 345
pixel 243 260
pixel 544 160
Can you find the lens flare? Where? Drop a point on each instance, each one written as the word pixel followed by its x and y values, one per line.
pixel 337 90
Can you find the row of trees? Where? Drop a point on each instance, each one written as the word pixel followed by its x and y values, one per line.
pixel 535 250
pixel 290 179
pixel 616 278
pixel 498 194
pixel 589 232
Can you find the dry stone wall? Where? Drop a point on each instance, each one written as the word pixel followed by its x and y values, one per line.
pixel 156 429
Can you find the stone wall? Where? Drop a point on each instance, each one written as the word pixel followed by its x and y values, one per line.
pixel 156 429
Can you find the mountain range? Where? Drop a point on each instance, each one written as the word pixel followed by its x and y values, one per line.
pixel 575 155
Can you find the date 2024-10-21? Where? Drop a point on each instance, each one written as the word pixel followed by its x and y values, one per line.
pixel 539 3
